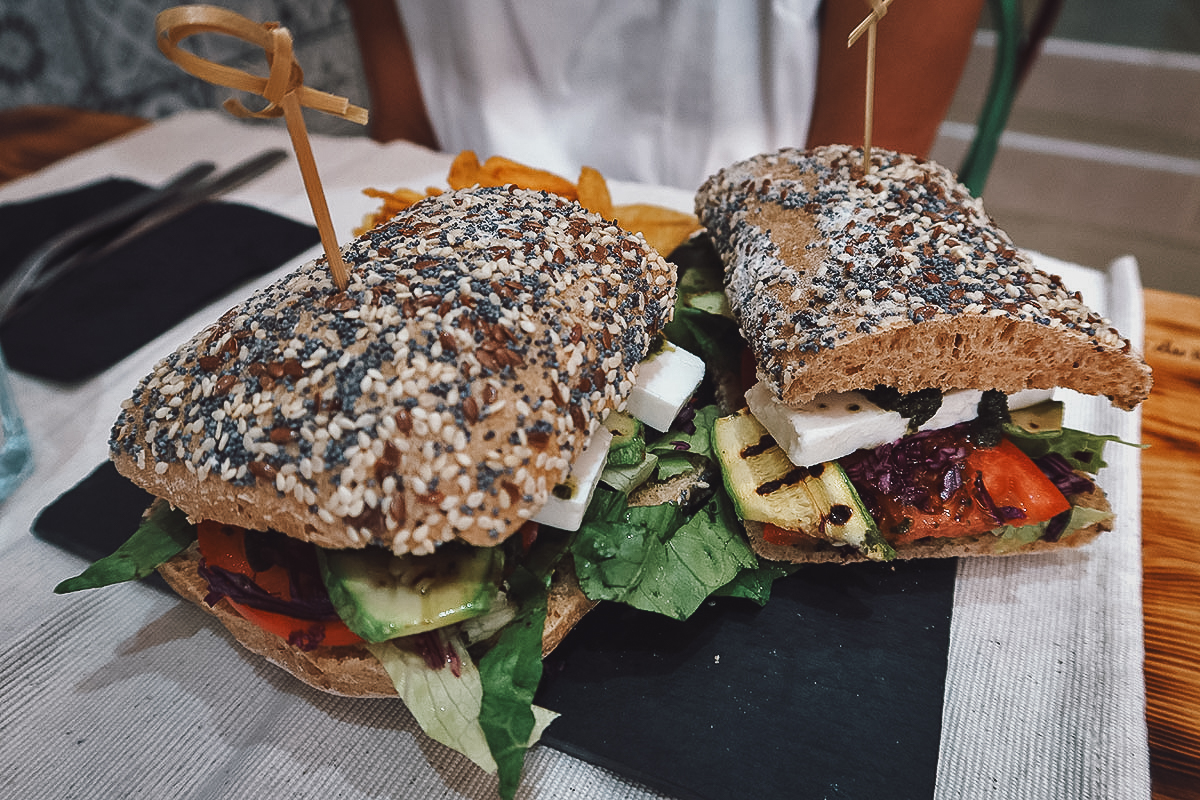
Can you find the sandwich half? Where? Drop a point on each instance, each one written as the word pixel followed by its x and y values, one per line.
pixel 354 482
pixel 895 333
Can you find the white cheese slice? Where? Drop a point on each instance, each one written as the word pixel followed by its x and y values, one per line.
pixel 567 513
pixel 1029 397
pixel 836 424
pixel 664 383
pixel 957 406
pixel 828 427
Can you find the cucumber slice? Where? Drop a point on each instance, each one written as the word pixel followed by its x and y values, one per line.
pixel 627 478
pixel 628 446
pixel 381 596
pixel 818 501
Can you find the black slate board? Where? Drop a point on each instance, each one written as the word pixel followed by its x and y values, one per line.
pixel 834 689
pixel 95 516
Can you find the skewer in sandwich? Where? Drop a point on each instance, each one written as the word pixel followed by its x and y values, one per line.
pixel 896 332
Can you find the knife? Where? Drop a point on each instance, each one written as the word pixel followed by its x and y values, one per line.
pixel 105 232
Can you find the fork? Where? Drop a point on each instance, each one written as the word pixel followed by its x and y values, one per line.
pixel 105 232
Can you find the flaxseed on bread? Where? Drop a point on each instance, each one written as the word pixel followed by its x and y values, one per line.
pixel 483 336
pixel 843 279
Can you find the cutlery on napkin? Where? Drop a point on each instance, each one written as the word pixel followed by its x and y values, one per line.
pixel 123 297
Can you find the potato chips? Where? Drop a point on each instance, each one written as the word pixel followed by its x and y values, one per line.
pixel 664 228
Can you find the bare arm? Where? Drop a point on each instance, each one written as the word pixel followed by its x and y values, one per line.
pixel 397 107
pixel 922 46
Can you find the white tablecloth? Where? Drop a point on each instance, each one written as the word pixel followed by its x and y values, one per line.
pixel 128 692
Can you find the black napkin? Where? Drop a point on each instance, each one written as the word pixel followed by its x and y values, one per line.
pixel 104 310
pixel 96 516
pixel 834 689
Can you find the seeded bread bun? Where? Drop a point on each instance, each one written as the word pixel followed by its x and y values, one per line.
pixel 842 280
pixel 482 338
pixel 819 551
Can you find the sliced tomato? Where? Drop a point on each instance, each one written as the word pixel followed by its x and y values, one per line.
pixel 224 546
pixel 773 534
pixel 1000 477
pixel 1012 479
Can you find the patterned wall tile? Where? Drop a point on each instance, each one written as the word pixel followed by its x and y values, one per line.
pixel 40 60
pixel 100 54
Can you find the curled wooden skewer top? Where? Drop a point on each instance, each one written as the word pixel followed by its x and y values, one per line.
pixel 283 89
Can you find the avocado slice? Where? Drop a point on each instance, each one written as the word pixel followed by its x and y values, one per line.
pixel 381 596
pixel 766 486
pixel 1043 417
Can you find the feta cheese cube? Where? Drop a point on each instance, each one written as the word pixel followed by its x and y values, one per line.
pixel 664 383
pixel 1029 397
pixel 836 424
pixel 566 513
pixel 957 406
pixel 828 427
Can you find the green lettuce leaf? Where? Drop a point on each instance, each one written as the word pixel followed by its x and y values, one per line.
pixel 712 336
pixel 163 534
pixel 510 672
pixel 754 583
pixel 1014 537
pixel 678 451
pixel 697 443
pixel 655 559
pixel 447 707
pixel 1082 450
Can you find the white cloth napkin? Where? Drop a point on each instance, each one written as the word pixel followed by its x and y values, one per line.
pixel 129 692
pixel 1045 695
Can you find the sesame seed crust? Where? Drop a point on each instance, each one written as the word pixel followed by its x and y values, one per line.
pixel 843 280
pixel 482 338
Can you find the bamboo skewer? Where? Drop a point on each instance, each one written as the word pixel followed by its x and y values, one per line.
pixel 868 25
pixel 283 89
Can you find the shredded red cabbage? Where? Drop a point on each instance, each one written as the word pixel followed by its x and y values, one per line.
pixel 1056 527
pixel 437 652
pixel 918 470
pixel 1001 514
pixel 1059 470
pixel 686 420
pixel 308 639
pixel 264 550
pixel 241 589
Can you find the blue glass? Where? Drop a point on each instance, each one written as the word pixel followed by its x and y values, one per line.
pixel 16 457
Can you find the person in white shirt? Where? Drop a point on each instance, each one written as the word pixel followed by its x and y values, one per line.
pixel 658 91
